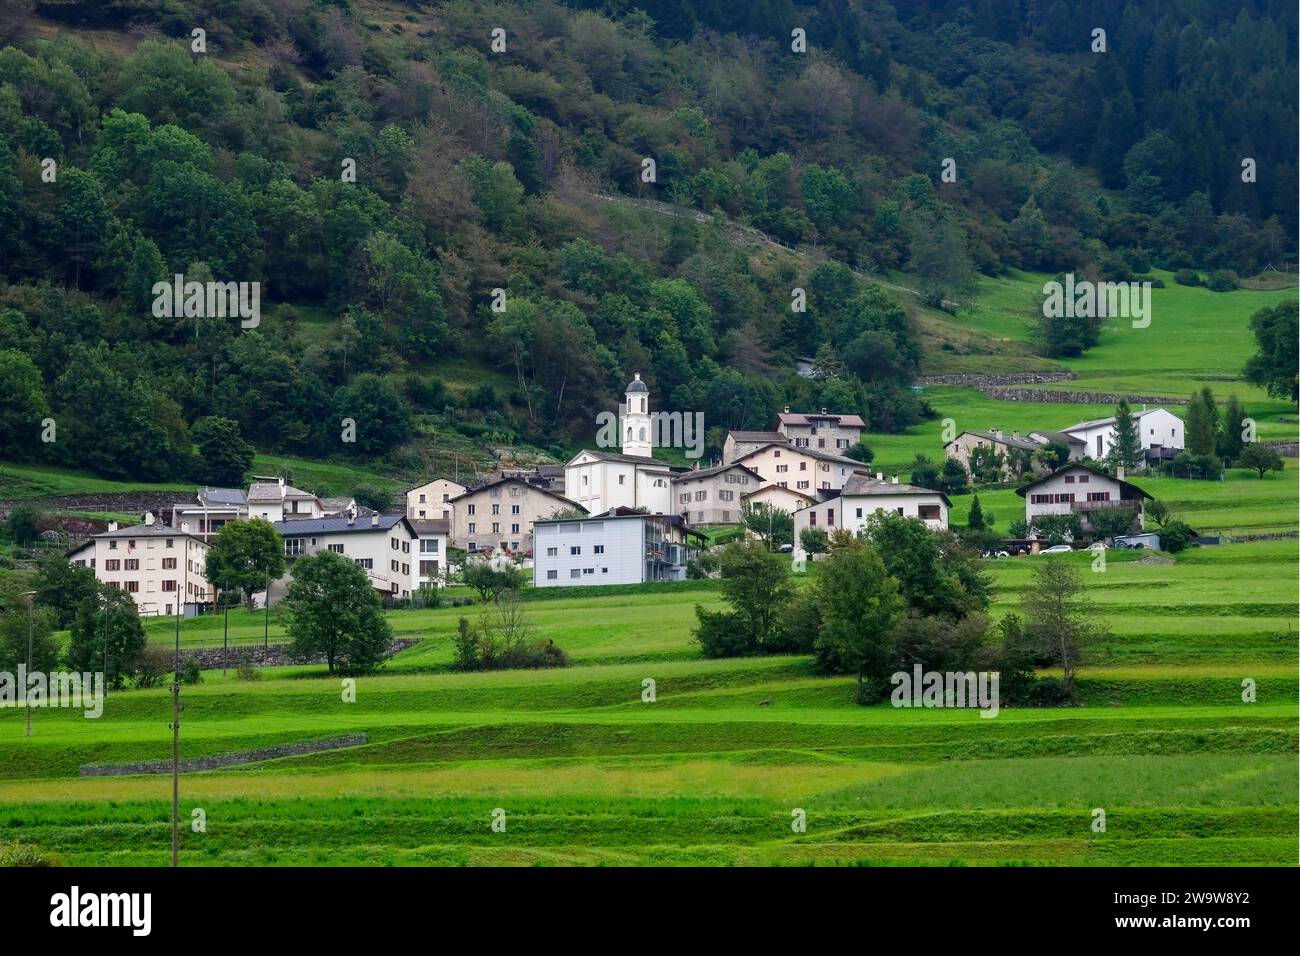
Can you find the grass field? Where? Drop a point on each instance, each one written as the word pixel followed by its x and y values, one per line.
pixel 712 770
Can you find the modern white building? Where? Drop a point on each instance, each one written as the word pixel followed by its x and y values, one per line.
pixel 1161 433
pixel 1082 490
pixel 619 547
pixel 387 547
pixel 162 568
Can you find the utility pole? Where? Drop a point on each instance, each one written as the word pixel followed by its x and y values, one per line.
pixel 31 596
pixel 266 618
pixel 225 640
pixel 106 645
pixel 176 715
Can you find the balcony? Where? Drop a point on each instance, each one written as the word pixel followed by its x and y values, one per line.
pixel 1124 504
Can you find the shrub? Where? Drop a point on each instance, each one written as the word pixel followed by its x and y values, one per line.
pixel 1222 280
pixel 720 633
pixel 246 670
pixel 152 666
pixel 191 673
pixel 1189 465
pixel 1187 277
pixel 24 854
pixel 797 624
pixel 1175 535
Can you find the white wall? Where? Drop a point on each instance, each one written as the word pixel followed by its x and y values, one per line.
pixel 373 545
pixel 622 561
pixel 149 596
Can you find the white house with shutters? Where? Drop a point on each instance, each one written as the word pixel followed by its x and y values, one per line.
pixel 387 547
pixel 163 569
pixel 865 495
pixel 1082 490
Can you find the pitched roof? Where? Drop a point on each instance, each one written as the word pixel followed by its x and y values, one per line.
pixel 1004 439
pixel 1098 422
pixel 1080 466
pixel 425 526
pixel 502 481
pixel 623 511
pixel 223 496
pixel 716 470
pixel 270 491
pixel 810 452
pixel 773 437
pixel 866 485
pixel 799 418
pixel 626 459
pixel 432 480
pixel 340 525
pixel 147 531
pixel 1064 438
pixel 778 488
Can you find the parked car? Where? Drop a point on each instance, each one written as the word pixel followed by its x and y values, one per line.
pixel 1057 549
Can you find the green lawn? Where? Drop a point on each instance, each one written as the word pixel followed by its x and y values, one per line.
pixel 711 771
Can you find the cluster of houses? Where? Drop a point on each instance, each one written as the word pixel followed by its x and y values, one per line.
pixel 1160 433
pixel 604 517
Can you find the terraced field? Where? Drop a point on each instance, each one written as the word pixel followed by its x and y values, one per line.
pixel 712 771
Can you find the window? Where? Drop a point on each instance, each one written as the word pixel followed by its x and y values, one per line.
pixel 575 549
pixel 429 545
pixel 395 543
pixel 701 496
pixel 496 527
pixel 514 529
pixel 367 563
pixel 112 564
pixel 1099 496
pixel 472 527
pixel 620 479
pixel 812 518
pixel 552 575
pixel 336 548
pixel 782 469
pixel 406 569
pixel 469 509
pixel 171 542
pixel 169 564
pixel 169 585
pixel 928 512
pixel 830 518
pixel 552 552
pixel 133 587
pixel 1083 479
pixel 292 547
pixel 133 564
pixel 112 546
pixel 803 466
pixel 1069 479
pixel 598 549
pixel 496 509
pixel 514 509
pixel 684 497
pixel 801 485
pixel 392 565
pixel 725 495
pixel 406 547
pixel 777 453
pixel 423 500
pixel 575 573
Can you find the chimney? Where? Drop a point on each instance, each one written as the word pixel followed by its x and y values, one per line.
pixel 1015 434
pixel 880 476
pixel 823 411
pixel 895 481
pixel 112 526
pixel 374 520
pixel 998 434
pixel 185 527
pixel 1119 472
pixel 787 409
pixel 352 514
pixel 148 519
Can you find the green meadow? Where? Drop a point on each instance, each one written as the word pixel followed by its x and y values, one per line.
pixel 717 767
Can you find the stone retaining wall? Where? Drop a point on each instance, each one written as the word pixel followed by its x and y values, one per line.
pixel 277 655
pixel 222 760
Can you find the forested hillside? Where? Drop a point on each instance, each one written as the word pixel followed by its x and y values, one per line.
pixel 130 151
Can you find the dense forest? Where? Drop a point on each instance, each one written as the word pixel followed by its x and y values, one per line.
pixel 381 168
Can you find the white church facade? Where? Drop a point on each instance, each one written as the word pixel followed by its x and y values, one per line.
pixel 631 478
